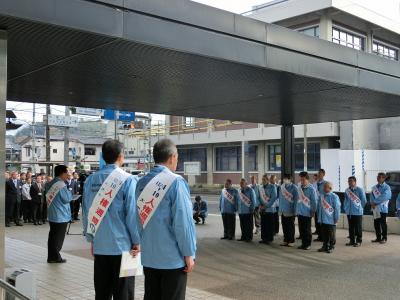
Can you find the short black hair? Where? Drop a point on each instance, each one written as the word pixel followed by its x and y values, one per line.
pixel 197 198
pixel 111 149
pixel 287 176
pixel 162 150
pixel 353 178
pixel 321 171
pixel 229 181
pixel 382 174
pixel 60 169
pixel 304 174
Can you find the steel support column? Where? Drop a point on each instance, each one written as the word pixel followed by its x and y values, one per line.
pixel 3 97
pixel 245 160
pixel 287 145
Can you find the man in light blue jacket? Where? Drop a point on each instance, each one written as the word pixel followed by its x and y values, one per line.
pixel 110 223
pixel 288 197
pixel 328 216
pixel 305 210
pixel 354 202
pixel 257 217
pixel 168 236
pixel 228 201
pixel 267 198
pixel 245 206
pixel 58 213
pixel 379 199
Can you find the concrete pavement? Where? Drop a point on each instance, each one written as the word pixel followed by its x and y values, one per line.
pixel 239 270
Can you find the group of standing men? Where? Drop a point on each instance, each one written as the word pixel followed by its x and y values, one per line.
pixel 263 204
pixel 151 215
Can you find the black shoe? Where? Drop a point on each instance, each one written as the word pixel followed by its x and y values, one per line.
pixel 300 247
pixel 376 241
pixel 197 222
pixel 357 245
pixel 76 219
pixel 230 239
pixel 35 223
pixel 43 222
pixel 323 249
pixel 240 240
pixel 19 224
pixel 61 261
pixel 383 241
pixel 329 251
pixel 39 223
pixel 317 240
pixel 8 225
pixel 202 223
pixel 224 238
pixel 350 244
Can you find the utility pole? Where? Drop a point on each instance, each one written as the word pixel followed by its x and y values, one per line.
pixel 66 139
pixel 149 155
pixel 33 140
pixel 48 158
pixel 305 148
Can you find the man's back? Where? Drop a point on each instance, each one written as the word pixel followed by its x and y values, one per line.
pixel 113 236
pixel 170 234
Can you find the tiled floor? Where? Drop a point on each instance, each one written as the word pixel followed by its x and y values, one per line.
pixel 73 280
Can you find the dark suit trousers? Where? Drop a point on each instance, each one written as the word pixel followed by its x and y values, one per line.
pixel 56 240
pixel 107 283
pixel 164 284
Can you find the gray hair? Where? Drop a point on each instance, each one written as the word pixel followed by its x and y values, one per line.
pixel 163 150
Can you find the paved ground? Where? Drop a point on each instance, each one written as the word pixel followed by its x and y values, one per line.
pixel 237 270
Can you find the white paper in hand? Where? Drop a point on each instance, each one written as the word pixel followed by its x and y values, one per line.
pixel 130 266
pixel 376 212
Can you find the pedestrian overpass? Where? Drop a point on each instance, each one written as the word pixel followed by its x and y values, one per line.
pixel 182 58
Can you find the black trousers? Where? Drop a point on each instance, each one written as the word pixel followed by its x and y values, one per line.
pixel 27 210
pixel 317 227
pixel 229 221
pixel 77 205
pixel 246 226
pixel 36 211
pixel 381 227
pixel 10 204
pixel 107 283
pixel 267 226
pixel 56 240
pixel 355 228
pixel 328 234
pixel 164 284
pixel 43 212
pixel 288 229
pixel 305 230
pixel 17 211
pixel 276 222
pixel 199 216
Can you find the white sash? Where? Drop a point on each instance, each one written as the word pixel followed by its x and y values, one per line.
pixel 376 192
pixel 104 197
pixel 326 206
pixel 228 196
pixel 353 197
pixel 288 196
pixel 303 198
pixel 152 195
pixel 53 191
pixel 264 196
pixel 246 200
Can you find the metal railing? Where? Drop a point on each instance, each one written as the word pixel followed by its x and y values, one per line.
pixel 8 292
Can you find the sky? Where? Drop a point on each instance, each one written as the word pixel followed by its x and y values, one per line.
pixel 23 111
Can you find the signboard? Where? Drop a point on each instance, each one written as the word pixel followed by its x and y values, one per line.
pixel 89 111
pixel 63 121
pixel 119 115
pixel 192 168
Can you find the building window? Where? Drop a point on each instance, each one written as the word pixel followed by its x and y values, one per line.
pixel 275 157
pixel 385 50
pixel 188 122
pixel 192 154
pixel 28 151
pixel 54 151
pixel 313 157
pixel 347 39
pixel 310 31
pixel 90 151
pixel 230 158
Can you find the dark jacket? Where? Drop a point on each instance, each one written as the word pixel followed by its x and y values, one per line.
pixel 36 193
pixel 13 193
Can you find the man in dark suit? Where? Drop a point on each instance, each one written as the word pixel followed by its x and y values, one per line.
pixel 72 187
pixel 13 199
pixel 36 192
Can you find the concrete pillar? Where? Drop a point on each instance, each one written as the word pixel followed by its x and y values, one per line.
pixel 210 160
pixel 325 28
pixel 245 160
pixel 261 160
pixel 287 147
pixel 3 97
pixel 369 42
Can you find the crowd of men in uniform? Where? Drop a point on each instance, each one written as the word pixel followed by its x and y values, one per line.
pixel 262 205
pixel 26 197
